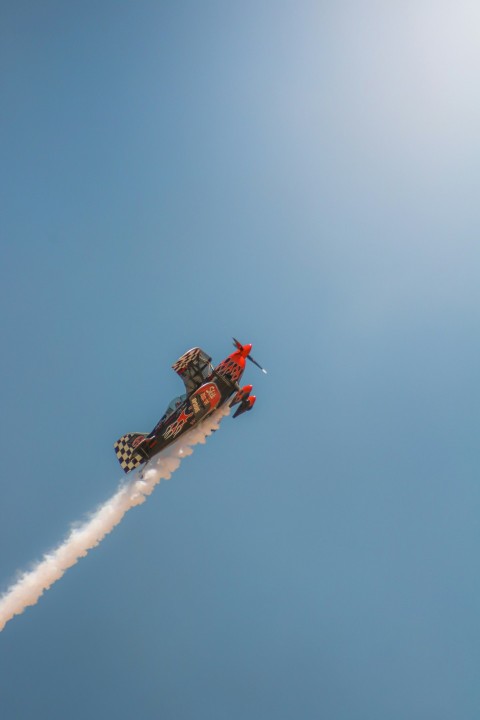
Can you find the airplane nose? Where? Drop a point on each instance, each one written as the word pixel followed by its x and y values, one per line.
pixel 247 348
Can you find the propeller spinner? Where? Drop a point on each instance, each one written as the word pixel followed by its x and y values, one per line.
pixel 246 350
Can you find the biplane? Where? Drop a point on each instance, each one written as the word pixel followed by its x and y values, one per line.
pixel 206 389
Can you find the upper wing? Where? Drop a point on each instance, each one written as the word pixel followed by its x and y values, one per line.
pixel 194 368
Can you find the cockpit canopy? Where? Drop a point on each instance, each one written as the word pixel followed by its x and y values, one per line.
pixel 174 405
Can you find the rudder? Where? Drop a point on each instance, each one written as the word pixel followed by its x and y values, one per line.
pixel 128 457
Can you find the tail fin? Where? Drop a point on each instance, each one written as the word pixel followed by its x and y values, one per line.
pixel 125 449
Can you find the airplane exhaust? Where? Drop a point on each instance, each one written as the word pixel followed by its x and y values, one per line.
pixel 31 585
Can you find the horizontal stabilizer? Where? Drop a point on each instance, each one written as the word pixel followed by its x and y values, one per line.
pixel 127 451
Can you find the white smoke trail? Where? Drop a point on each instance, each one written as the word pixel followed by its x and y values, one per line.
pixel 31 585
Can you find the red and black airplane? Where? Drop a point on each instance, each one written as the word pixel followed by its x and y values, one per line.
pixel 207 389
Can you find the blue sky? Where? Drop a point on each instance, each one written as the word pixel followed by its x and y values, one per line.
pixel 303 176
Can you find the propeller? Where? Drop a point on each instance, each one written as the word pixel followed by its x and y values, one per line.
pixel 257 364
pixel 239 346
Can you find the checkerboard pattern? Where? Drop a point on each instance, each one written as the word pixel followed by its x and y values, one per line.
pixel 127 457
pixel 187 358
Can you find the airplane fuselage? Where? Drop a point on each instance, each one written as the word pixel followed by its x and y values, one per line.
pixel 215 392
